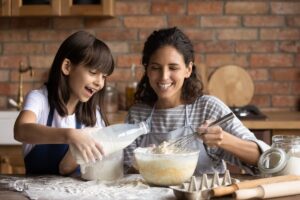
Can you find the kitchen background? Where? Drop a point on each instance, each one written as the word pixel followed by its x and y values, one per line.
pixel 261 36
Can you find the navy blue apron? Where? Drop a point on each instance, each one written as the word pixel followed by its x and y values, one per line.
pixel 45 158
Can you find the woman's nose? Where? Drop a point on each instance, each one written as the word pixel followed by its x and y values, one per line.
pixel 165 74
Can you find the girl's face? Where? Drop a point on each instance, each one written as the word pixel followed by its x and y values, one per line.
pixel 166 72
pixel 83 82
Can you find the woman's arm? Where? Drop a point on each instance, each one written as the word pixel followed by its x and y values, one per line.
pixel 28 131
pixel 247 151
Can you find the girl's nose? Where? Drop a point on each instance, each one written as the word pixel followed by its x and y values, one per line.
pixel 99 80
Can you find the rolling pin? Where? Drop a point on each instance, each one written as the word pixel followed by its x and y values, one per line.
pixel 225 190
pixel 269 190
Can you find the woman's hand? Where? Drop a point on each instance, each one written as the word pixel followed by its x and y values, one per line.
pixel 90 149
pixel 212 136
pixel 215 136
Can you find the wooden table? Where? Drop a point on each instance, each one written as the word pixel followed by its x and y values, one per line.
pixel 13 195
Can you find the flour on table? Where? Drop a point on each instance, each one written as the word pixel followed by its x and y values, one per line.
pixel 56 188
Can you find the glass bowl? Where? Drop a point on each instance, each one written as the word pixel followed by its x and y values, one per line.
pixel 166 169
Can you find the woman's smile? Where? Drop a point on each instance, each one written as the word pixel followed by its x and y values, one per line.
pixel 164 86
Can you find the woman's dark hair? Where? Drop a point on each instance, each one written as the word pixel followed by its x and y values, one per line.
pixel 192 86
pixel 81 48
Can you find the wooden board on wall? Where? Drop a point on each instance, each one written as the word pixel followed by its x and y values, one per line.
pixel 232 84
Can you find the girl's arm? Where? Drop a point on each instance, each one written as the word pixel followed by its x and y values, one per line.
pixel 28 131
pixel 67 165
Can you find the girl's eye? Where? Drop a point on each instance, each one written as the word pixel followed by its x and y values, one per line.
pixel 104 75
pixel 93 71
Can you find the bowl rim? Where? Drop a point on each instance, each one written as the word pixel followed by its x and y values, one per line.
pixel 143 151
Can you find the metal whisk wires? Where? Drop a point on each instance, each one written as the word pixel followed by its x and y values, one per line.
pixel 180 143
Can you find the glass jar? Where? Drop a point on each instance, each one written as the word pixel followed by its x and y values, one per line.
pixel 283 157
pixel 111 99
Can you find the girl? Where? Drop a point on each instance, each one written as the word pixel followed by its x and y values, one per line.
pixel 170 97
pixel 53 116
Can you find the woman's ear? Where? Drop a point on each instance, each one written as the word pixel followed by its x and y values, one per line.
pixel 66 66
pixel 189 70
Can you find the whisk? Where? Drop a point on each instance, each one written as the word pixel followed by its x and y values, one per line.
pixel 183 141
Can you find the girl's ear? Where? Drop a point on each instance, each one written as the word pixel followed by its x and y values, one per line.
pixel 66 67
pixel 189 70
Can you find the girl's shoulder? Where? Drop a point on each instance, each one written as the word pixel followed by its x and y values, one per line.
pixel 36 99
pixel 41 93
pixel 37 102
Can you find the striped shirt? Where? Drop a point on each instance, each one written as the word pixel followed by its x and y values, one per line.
pixel 204 108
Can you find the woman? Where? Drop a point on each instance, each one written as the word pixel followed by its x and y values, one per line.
pixel 169 96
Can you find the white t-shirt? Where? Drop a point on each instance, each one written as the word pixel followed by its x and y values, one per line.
pixel 37 102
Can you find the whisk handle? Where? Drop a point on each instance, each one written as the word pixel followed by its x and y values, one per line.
pixel 223 119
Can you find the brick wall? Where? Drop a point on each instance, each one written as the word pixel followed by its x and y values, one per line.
pixel 263 36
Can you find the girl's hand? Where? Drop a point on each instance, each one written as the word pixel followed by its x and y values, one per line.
pixel 90 149
pixel 212 136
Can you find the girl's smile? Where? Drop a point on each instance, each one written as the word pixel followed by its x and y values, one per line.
pixel 90 90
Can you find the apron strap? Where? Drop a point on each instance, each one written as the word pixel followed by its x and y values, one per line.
pixel 50 117
pixel 187 120
pixel 149 119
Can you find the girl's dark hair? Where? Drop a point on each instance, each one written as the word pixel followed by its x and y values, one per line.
pixel 192 86
pixel 81 48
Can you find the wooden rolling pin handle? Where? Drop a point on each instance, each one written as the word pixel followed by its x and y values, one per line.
pixel 225 190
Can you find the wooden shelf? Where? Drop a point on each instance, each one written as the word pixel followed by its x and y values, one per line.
pixel 56 8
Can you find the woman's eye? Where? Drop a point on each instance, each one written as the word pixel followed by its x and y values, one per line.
pixel 154 67
pixel 173 67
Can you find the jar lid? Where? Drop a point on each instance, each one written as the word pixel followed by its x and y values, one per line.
pixel 272 161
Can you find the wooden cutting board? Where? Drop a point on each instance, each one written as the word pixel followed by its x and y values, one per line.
pixel 232 84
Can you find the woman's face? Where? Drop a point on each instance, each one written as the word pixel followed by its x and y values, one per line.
pixel 166 72
pixel 83 83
